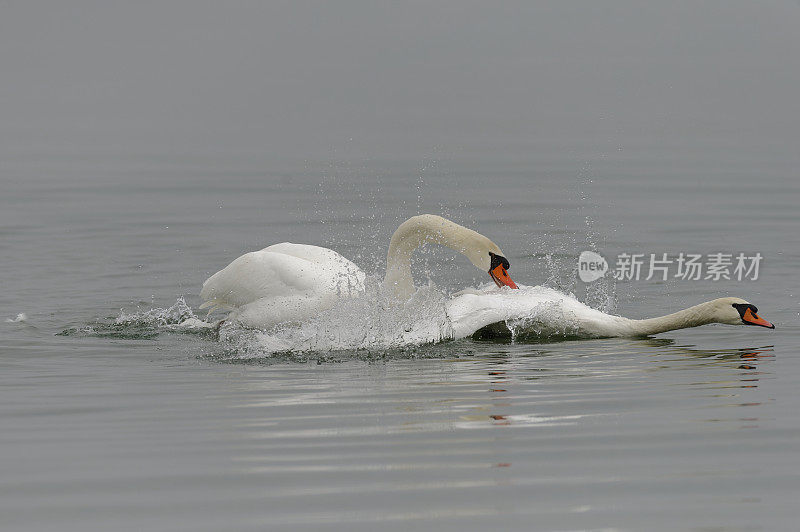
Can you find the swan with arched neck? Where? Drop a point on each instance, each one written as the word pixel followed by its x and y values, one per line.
pixel 292 282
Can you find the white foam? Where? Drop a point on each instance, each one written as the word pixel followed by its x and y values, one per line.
pixel 21 317
pixel 371 321
pixel 375 321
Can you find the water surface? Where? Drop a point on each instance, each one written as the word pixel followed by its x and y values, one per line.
pixel 132 171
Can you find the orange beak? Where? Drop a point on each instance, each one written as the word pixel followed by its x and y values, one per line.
pixel 501 278
pixel 751 318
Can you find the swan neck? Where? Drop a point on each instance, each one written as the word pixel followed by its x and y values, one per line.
pixel 690 317
pixel 429 228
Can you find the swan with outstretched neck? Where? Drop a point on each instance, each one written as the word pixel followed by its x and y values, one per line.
pixel 291 283
pixel 551 313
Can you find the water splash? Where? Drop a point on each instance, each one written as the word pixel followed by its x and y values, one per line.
pixel 373 321
pixel 143 325
pixel 170 317
pixel 545 320
pixel 373 324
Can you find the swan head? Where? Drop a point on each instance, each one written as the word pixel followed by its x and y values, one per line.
pixel 737 311
pixel 487 257
pixel 498 271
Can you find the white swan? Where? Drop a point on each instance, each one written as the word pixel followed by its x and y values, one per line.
pixel 292 282
pixel 547 312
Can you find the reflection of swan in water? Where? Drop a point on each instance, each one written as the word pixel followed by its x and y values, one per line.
pixel 292 283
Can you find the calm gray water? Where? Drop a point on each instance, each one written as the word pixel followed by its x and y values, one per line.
pixel 144 148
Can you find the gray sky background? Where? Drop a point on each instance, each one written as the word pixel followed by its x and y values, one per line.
pixel 376 79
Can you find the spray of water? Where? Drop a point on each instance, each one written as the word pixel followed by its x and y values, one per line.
pixel 373 321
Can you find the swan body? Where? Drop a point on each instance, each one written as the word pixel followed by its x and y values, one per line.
pixel 281 283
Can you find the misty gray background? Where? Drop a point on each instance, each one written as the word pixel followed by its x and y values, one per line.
pixel 323 80
pixel 144 145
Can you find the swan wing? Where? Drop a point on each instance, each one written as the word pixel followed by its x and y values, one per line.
pixel 280 271
pixel 330 272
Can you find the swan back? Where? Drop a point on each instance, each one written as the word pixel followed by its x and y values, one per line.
pixel 283 272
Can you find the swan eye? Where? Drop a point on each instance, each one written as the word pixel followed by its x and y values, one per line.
pixel 742 308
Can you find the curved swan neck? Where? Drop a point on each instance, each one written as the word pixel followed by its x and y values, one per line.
pixel 691 317
pixel 429 228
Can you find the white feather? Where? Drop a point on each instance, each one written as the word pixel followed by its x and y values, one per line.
pixel 282 283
